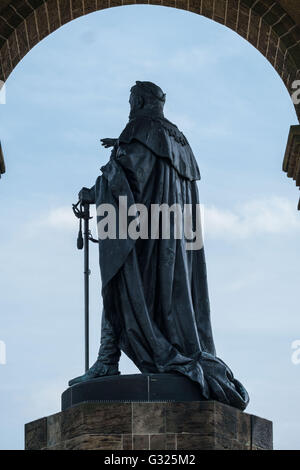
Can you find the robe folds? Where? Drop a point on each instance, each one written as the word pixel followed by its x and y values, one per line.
pixel 155 293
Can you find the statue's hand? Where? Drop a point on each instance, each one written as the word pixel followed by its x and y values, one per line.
pixel 108 142
pixel 85 196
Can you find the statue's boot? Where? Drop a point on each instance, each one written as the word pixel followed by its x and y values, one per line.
pixel 97 370
pixel 108 357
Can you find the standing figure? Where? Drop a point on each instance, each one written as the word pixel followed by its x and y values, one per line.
pixel 155 295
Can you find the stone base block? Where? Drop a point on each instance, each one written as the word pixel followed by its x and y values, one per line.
pixel 197 425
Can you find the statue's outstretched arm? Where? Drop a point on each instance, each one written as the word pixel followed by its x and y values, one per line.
pixel 109 142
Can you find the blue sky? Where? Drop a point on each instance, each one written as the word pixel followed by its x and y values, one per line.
pixel 71 90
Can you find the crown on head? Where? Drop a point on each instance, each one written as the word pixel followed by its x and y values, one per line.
pixel 153 89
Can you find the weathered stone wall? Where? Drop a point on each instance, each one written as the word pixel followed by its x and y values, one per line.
pixel 150 426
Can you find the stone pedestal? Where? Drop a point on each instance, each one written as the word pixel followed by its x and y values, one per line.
pixel 194 425
pixel 132 388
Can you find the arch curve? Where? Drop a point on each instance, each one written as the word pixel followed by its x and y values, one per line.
pixel 272 27
pixel 265 24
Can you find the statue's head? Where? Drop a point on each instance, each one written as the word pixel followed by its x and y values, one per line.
pixel 148 98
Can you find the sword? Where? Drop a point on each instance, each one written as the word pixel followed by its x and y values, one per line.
pixel 82 212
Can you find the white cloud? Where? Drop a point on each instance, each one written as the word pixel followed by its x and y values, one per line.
pixel 62 217
pixel 258 217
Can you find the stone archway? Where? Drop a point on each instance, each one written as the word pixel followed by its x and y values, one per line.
pixel 272 27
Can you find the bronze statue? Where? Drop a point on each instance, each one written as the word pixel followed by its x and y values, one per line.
pixel 155 296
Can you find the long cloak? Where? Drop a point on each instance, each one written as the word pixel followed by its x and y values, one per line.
pixel 154 291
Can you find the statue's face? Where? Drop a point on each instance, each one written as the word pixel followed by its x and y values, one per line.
pixel 134 100
pixel 131 99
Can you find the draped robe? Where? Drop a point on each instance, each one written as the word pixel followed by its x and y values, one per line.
pixel 155 293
